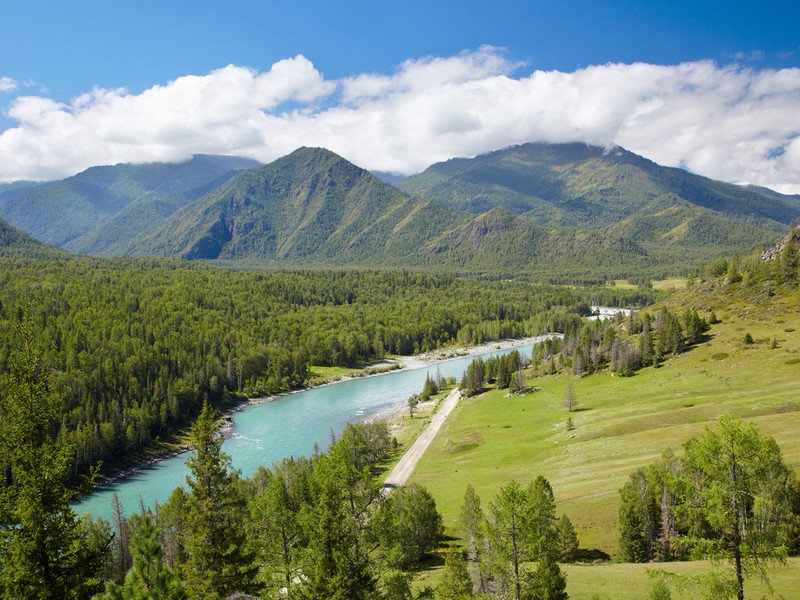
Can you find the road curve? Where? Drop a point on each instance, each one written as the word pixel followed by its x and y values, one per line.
pixel 403 469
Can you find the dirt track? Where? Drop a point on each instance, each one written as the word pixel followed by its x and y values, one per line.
pixel 403 470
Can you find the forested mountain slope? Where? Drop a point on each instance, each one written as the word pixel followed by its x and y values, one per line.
pixel 611 189
pixel 95 211
pixel 311 205
pixel 314 207
pixel 14 242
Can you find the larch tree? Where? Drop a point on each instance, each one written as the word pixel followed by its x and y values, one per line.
pixel 740 492
pixel 507 537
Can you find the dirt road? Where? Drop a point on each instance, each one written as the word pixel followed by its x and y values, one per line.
pixel 402 471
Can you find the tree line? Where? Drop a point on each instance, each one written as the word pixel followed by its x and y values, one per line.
pixel 621 344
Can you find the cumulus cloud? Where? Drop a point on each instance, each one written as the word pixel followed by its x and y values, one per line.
pixel 732 123
pixel 7 84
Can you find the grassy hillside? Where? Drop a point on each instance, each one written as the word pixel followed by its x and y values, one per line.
pixel 624 423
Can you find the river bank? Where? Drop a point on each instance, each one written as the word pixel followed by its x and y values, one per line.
pixel 385 367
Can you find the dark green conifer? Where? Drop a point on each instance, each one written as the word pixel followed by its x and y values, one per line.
pixel 219 561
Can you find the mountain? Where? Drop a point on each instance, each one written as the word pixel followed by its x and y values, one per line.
pixel 500 239
pixel 15 243
pixel 314 207
pixel 10 191
pixel 309 206
pixel 98 210
pixel 666 210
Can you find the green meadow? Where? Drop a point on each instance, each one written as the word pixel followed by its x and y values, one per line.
pixel 624 423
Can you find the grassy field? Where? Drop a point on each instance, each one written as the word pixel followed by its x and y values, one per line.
pixel 660 284
pixel 624 423
pixel 628 581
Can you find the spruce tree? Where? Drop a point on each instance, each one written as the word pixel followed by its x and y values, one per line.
pixel 547 582
pixel 566 540
pixel 44 552
pixel 219 562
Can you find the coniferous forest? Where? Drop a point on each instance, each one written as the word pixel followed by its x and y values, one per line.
pixel 134 347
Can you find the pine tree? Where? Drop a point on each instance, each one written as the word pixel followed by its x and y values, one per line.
pixel 44 552
pixel 149 577
pixel 219 561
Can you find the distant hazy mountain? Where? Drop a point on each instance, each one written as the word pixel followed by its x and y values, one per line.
pixel 98 210
pixel 10 191
pixel 613 190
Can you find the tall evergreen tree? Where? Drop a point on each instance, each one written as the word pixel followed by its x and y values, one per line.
pixel 44 553
pixel 335 561
pixel 276 531
pixel 539 518
pixel 547 582
pixel 566 542
pixel 219 561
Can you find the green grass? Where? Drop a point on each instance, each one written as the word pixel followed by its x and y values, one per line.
pixel 629 581
pixel 609 581
pixel 622 423
pixel 677 283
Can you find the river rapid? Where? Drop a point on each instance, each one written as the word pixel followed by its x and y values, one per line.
pixel 290 425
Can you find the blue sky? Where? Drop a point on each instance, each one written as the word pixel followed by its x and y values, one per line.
pixel 75 70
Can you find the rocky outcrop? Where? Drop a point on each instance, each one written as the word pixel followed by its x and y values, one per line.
pixel 774 252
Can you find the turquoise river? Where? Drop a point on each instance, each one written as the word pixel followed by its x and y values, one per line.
pixel 289 425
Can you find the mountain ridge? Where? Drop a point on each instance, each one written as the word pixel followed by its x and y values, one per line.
pixel 74 213
pixel 578 185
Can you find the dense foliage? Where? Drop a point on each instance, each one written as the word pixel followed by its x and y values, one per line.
pixel 731 497
pixel 622 344
pixel 134 347
pixel 317 527
pixel 521 527
pixel 44 551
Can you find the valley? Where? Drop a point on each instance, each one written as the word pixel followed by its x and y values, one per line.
pixel 269 279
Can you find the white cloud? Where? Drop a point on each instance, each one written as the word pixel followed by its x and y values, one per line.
pixel 7 84
pixel 728 123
